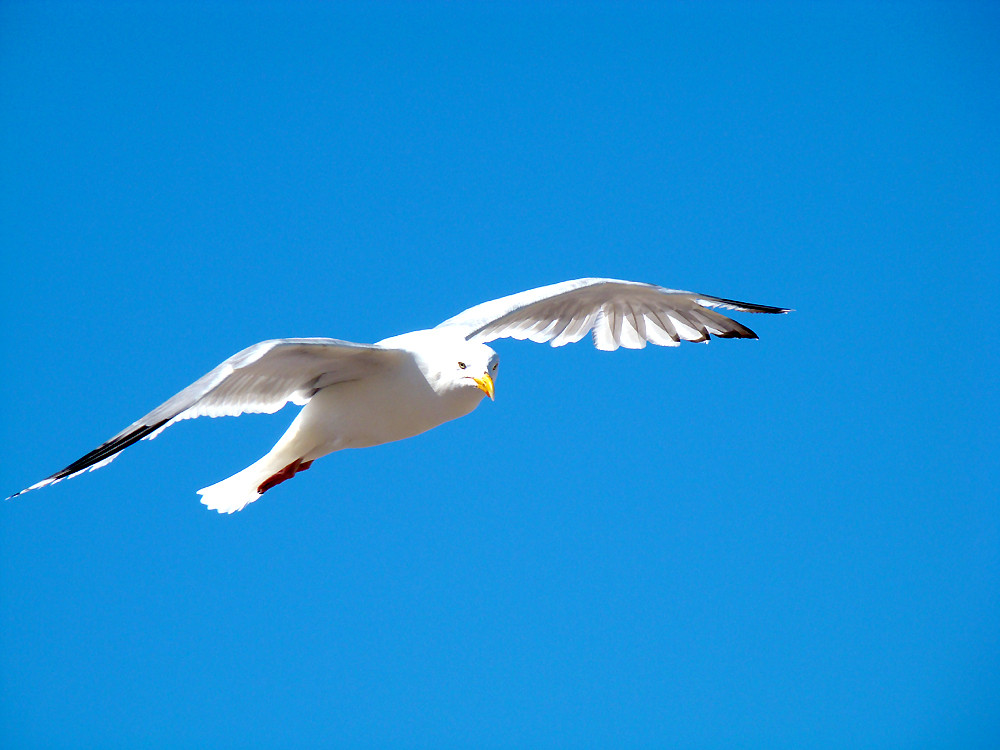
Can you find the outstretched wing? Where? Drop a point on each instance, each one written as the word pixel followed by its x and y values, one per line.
pixel 618 313
pixel 260 379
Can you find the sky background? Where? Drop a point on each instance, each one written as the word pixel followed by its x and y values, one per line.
pixel 784 543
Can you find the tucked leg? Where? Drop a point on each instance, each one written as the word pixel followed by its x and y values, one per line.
pixel 287 473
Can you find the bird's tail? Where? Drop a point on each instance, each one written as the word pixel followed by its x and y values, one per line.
pixel 239 490
pixel 242 488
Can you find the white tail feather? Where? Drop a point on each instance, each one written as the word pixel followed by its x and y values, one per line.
pixel 239 490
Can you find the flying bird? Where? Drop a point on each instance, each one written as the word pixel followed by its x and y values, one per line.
pixel 360 395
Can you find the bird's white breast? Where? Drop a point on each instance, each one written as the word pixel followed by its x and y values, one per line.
pixel 394 404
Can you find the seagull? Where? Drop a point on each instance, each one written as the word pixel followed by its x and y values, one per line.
pixel 360 395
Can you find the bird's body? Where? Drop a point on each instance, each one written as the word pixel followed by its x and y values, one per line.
pixel 361 395
pixel 410 395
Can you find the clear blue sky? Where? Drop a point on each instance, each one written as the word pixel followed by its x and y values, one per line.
pixel 784 543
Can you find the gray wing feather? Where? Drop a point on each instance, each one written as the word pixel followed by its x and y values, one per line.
pixel 264 377
pixel 616 313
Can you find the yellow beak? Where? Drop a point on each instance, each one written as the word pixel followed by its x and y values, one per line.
pixel 485 384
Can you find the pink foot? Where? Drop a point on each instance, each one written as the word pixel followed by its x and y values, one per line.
pixel 287 473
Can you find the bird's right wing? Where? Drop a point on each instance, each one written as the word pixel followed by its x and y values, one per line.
pixel 259 379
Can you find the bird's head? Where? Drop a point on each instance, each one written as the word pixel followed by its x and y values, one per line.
pixel 475 366
pixel 451 364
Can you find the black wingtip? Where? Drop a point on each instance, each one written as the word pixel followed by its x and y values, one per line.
pixel 102 452
pixel 754 308
pixel 744 333
pixel 108 449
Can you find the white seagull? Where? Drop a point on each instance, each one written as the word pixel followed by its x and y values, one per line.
pixel 359 395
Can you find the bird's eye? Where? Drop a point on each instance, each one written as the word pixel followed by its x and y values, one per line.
pixel 494 368
pixel 461 365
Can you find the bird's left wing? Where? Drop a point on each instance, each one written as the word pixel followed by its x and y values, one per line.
pixel 259 379
pixel 617 313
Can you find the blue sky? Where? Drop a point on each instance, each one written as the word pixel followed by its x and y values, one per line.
pixel 792 542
